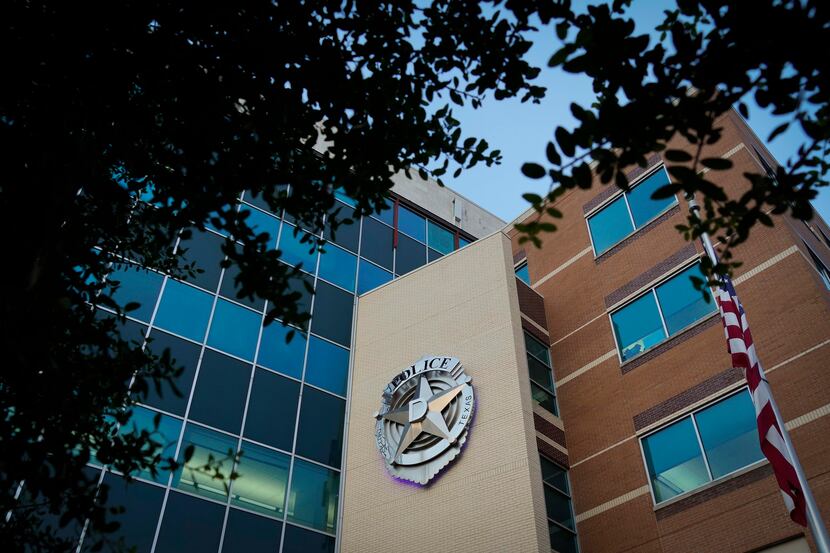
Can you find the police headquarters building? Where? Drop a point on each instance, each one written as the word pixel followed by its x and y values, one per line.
pixel 457 391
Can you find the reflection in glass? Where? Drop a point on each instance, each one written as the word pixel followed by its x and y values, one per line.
pixel 412 224
pixel 333 314
pixel 166 435
pixel 320 430
pixel 280 355
pixel 643 208
pixel 210 448
pixel 295 252
pixel 610 225
pixel 544 398
pixel 675 464
pixel 262 478
pixel 234 329
pixel 221 387
pixel 638 326
pixel 682 305
pixel 179 299
pixel 327 366
pixel 370 277
pixel 338 266
pixel 523 273
pixel 554 475
pixel 539 372
pixel 272 410
pixel 439 238
pixel 262 223
pixel 314 494
pixel 537 348
pixel 729 434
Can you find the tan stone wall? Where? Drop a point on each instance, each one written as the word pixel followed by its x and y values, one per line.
pixel 490 498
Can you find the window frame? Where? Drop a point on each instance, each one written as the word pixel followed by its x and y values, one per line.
pixel 608 201
pixel 520 266
pixel 651 288
pixel 549 366
pixel 681 415
pixel 818 265
pixel 568 495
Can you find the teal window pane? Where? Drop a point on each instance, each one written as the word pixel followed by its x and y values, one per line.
pixel 272 409
pixel 279 354
pixel 610 225
pixel 643 208
pixel 370 277
pixel 439 238
pixel 537 349
pixel 674 460
pixel 140 286
pixel 298 253
pixel 184 310
pixel 462 242
pixel 190 524
pixel 204 251
pixel 539 372
pixel 314 495
pixel 638 326
pixel 729 434
pixel 554 475
pixel 543 398
pixel 210 448
pixel 343 197
pixel 166 435
pixel 263 477
pixel 523 273
pixel 387 214
pixel 412 224
pixel 249 533
pixel 327 366
pixel 320 429
pixel 561 540
pixel 235 329
pixel 558 507
pixel 338 267
pixel 682 305
pixel 262 223
pixel 183 354
pixel 221 388
pixel 410 255
pixel 142 505
pixel 300 540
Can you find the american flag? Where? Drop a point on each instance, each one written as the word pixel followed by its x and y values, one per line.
pixel 742 351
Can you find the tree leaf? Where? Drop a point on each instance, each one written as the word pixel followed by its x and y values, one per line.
pixel 677 156
pixel 533 170
pixel 716 163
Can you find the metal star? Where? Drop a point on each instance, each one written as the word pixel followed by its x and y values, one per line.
pixel 423 414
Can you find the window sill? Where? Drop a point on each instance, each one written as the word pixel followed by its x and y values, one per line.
pixel 667 343
pixel 693 497
pixel 637 233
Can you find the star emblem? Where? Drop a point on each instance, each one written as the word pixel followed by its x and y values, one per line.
pixel 422 414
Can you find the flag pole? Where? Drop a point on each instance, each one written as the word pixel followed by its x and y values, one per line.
pixel 814 519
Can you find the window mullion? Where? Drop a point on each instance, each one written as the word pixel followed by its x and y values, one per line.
pixel 702 450
pixel 630 214
pixel 660 311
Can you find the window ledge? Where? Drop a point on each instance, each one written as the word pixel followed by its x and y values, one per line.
pixel 717 487
pixel 667 343
pixel 637 233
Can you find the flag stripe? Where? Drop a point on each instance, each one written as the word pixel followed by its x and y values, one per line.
pixel 741 348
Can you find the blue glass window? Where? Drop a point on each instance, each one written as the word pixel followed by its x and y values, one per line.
pixel 387 214
pixel 338 267
pixel 221 387
pixel 190 524
pixel 300 540
pixel 439 238
pixel 248 533
pixel 681 304
pixel 370 277
pixel 376 243
pixel 272 409
pixel 263 477
pixel 412 224
pixel 278 354
pixel 341 195
pixel 333 314
pixel 347 233
pixel 610 225
pixel 140 286
pixel 183 354
pixel 675 462
pixel 327 366
pixel 142 505
pixel 643 208
pixel 210 447
pixel 184 310
pixel 410 255
pixel 262 223
pixel 523 273
pixel 432 255
pixel 729 433
pixel 320 430
pixel 166 435
pixel 462 242
pixel 234 329
pixel 296 252
pixel 204 251
pixel 638 326
pixel 314 495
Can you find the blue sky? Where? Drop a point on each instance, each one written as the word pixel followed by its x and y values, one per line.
pixel 521 131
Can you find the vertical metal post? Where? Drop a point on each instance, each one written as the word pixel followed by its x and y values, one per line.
pixel 814 519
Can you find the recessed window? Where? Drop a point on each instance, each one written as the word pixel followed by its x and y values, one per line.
pixel 819 265
pixel 314 495
pixel 541 374
pixel 320 430
pixel 272 410
pixel 708 444
pixel 523 274
pixel 661 312
pixel 221 387
pixel 179 298
pixel 263 477
pixel 561 525
pixel 630 211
